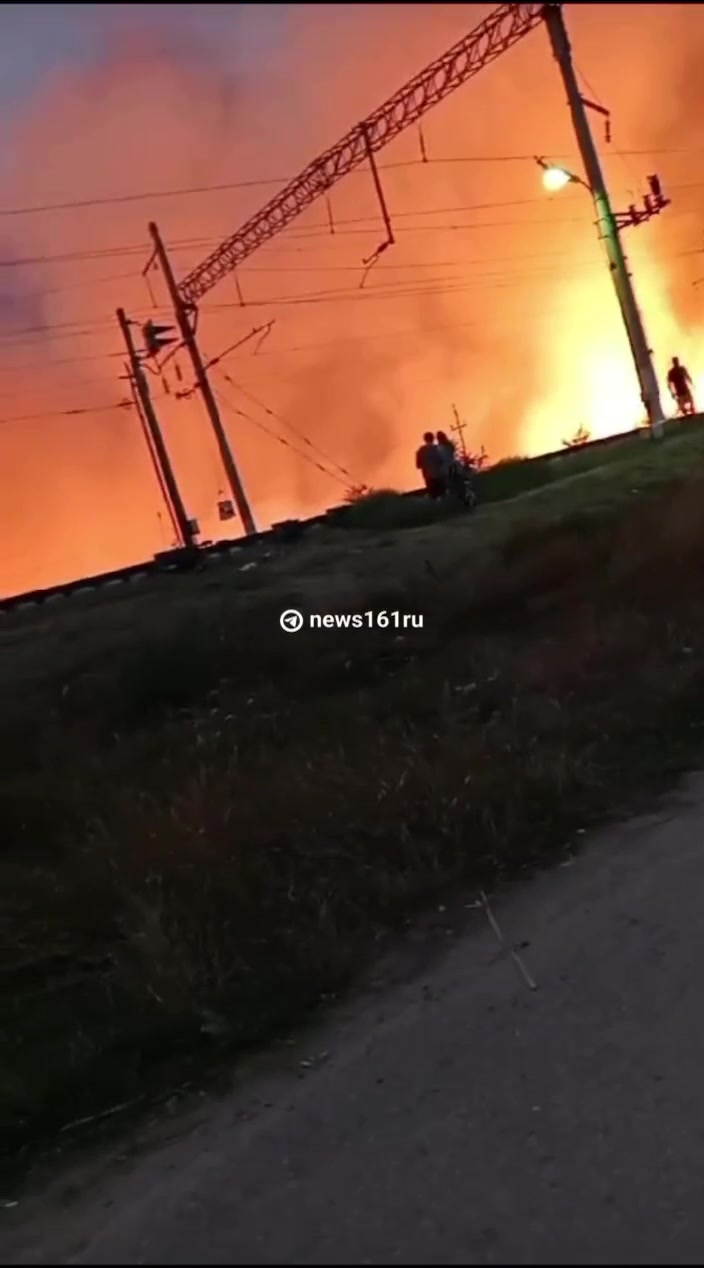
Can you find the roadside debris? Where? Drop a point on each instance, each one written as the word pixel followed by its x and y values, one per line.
pixel 530 983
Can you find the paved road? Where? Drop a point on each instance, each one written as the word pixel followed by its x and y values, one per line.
pixel 460 1117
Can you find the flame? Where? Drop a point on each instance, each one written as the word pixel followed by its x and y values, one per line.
pixel 593 381
pixel 495 297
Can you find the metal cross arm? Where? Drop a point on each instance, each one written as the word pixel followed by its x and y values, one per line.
pixel 503 28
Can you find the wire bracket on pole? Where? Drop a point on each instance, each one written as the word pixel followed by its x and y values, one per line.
pixel 331 222
pixel 262 331
pixel 190 312
pixel 238 288
pixel 256 330
pixel 151 262
pixel 421 139
pixel 265 335
pixel 653 204
pixel 389 241
pixel 169 355
pixel 592 105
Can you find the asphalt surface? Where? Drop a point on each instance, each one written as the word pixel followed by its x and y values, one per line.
pixel 459 1117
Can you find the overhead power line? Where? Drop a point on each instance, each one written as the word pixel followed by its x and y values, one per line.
pixel 67 413
pixel 97 253
pixel 187 191
pixel 281 439
pixel 469 279
pixel 344 227
pixel 21 366
pixel 296 431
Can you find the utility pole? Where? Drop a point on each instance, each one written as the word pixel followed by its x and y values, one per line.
pixel 164 464
pixel 182 317
pixel 459 430
pixel 152 453
pixel 607 222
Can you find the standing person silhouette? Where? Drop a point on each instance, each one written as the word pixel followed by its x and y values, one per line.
pixel 679 382
pixel 430 461
pixel 448 450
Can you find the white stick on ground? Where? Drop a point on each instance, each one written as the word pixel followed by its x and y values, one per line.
pixel 532 986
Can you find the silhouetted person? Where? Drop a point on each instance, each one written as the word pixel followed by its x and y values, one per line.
pixel 431 464
pixel 448 446
pixel 680 384
pixel 448 450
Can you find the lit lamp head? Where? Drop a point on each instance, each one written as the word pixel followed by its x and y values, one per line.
pixel 556 178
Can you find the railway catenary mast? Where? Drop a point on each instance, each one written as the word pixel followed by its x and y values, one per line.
pixel 508 24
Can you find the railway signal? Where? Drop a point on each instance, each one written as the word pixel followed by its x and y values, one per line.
pixel 157 337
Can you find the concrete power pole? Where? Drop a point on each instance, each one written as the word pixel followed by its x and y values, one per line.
pixel 608 225
pixel 152 452
pixel 164 464
pixel 186 331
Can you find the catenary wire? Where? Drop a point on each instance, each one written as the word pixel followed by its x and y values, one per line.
pixel 229 186
pixel 275 436
pixel 296 431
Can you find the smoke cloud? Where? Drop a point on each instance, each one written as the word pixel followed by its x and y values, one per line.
pixel 22 303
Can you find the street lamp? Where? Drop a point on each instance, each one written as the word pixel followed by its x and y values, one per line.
pixel 609 224
pixel 555 178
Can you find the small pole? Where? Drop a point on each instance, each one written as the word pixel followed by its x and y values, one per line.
pixel 152 454
pixel 459 430
pixel 160 452
pixel 390 240
pixel 202 381
pixel 608 225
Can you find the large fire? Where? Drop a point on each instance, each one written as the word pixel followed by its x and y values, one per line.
pixel 495 297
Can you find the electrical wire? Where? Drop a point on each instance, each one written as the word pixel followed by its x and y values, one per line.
pixel 98 323
pixel 21 366
pixel 500 279
pixel 509 282
pixel 68 413
pixel 137 248
pixel 275 436
pixel 81 330
pixel 290 426
pixel 100 253
pixel 229 186
pixel 89 281
pixel 408 333
pixel 345 227
pixel 622 155
pixel 307 347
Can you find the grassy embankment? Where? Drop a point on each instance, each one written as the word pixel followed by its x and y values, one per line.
pixel 205 821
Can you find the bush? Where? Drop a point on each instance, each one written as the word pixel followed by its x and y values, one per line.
pixel 388 509
pixel 513 476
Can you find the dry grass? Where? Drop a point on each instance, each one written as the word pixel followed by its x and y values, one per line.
pixel 206 821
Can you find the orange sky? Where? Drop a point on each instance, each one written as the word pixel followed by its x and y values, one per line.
pixel 495 296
